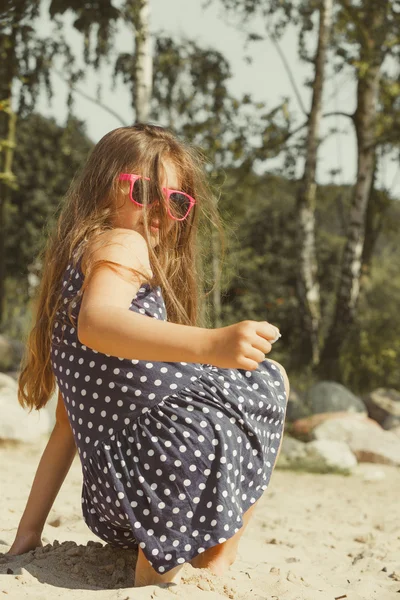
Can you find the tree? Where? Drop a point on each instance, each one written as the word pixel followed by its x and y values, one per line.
pixel 102 18
pixel 370 33
pixel 190 93
pixel 364 36
pixel 25 60
pixel 142 68
pixel 46 158
pixel 308 284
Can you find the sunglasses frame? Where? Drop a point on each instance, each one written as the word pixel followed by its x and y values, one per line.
pixel 132 178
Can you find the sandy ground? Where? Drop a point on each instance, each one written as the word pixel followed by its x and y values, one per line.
pixel 313 537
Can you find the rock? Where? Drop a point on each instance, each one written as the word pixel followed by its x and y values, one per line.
pixel 18 350
pixel 369 442
pixel 319 456
pixel 303 427
pixel 332 455
pixel 396 431
pixel 6 354
pixel 11 353
pixel 329 396
pixel 296 408
pixel 16 423
pixel 292 449
pixel 7 382
pixel 391 422
pixel 383 406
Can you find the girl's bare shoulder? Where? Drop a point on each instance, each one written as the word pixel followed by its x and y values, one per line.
pixel 124 246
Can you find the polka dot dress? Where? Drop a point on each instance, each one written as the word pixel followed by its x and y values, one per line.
pixel 173 454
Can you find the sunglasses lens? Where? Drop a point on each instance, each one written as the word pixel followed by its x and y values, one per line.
pixel 139 190
pixel 179 205
pixel 179 202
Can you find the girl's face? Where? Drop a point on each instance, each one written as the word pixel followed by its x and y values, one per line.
pixel 130 216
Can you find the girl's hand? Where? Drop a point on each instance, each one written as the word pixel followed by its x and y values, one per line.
pixel 24 542
pixel 242 345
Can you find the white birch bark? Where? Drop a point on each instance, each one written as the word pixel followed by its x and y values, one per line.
pixel 308 286
pixel 143 69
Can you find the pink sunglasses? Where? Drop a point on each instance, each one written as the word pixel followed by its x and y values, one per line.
pixel 179 204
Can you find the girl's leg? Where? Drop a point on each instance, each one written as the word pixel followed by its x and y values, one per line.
pixel 146 575
pixel 220 557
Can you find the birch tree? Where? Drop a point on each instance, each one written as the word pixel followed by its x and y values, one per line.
pixel 143 63
pixel 370 33
pixel 308 285
pixel 364 35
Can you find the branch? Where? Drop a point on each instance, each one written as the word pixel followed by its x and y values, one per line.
pixel 354 16
pixel 393 136
pixel 339 113
pixel 94 100
pixel 288 70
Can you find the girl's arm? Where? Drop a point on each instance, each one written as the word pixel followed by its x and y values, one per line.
pixel 106 325
pixel 53 467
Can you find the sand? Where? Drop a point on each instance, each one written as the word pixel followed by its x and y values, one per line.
pixel 312 537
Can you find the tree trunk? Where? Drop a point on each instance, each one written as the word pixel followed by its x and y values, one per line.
pixel 349 286
pixel 378 205
pixel 308 286
pixel 143 69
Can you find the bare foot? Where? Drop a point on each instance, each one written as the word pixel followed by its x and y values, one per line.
pixel 24 542
pixel 146 575
pixel 217 565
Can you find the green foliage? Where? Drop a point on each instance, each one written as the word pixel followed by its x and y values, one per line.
pixel 98 16
pixel 260 277
pixel 371 355
pixel 46 159
pixel 190 94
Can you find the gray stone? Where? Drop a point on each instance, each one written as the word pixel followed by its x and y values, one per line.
pixel 296 407
pixel 292 448
pixel 6 354
pixel 319 456
pixel 391 422
pixel 383 406
pixel 11 353
pixel 329 396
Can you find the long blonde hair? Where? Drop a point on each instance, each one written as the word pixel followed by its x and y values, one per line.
pixel 88 209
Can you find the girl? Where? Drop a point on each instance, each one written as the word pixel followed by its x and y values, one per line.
pixel 178 427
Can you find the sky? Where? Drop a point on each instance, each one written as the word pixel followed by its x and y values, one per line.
pixel 265 79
